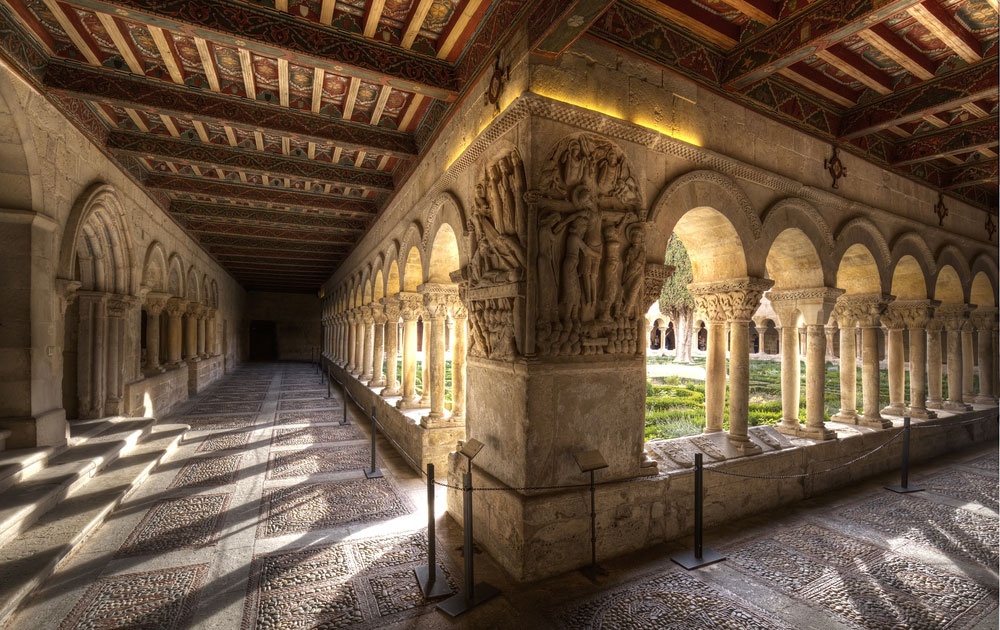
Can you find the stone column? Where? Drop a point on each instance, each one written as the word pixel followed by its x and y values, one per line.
pixel 367 341
pixel 436 299
pixel 848 413
pixel 830 331
pixel 191 332
pixel 340 334
pixel 864 309
pixel 915 315
pixel 211 324
pixel 814 306
pixel 118 310
pixel 410 308
pixel 459 358
pixel 953 316
pixel 391 307
pixel 934 364
pixel 175 309
pixel 425 390
pixel 984 319
pixel 378 344
pixel 155 303
pixel 734 301
pixel 202 345
pixel 352 345
pixel 893 322
pixel 968 363
pixel 359 343
pixel 91 366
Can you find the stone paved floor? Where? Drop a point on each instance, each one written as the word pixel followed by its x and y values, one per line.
pixel 264 519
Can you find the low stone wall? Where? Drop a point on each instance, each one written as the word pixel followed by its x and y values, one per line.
pixel 420 444
pixel 156 394
pixel 204 372
pixel 536 534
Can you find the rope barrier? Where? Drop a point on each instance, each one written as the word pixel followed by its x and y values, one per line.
pixel 576 486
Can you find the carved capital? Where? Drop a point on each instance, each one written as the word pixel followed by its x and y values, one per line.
pixel 984 318
pixel 118 306
pixel 378 313
pixel 860 309
pixel 437 298
pixel 457 307
pixel 155 303
pixel 390 306
pixel 729 300
pixel 66 290
pixel 914 313
pixel 176 307
pixel 411 306
pixel 952 316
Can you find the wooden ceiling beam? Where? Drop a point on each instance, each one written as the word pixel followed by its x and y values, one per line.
pixel 763 11
pixel 276 35
pixel 167 53
pixel 83 44
pixel 253 242
pixel 267 233
pixel 983 173
pixel 317 90
pixel 813 79
pixel 217 155
pixel 967 84
pixel 326 12
pixel 883 39
pixel 122 42
pixel 964 138
pixel 415 22
pixel 99 85
pixel 821 25
pixel 692 17
pixel 855 67
pixel 208 63
pixel 260 216
pixel 238 252
pixel 467 13
pixel 373 14
pixel 941 24
pixel 354 208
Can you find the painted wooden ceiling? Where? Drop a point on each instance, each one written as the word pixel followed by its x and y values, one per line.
pixel 275 130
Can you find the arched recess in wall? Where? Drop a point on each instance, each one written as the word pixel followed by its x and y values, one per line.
pixel 97 252
pixel 154 316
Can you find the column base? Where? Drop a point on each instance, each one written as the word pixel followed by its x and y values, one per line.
pixel 745 446
pixel 920 414
pixel 378 382
pixel 894 410
pixel 985 400
pixel 390 391
pixel 935 404
pixel 366 377
pixel 409 403
pixel 846 416
pixel 876 422
pixel 159 369
pixel 436 421
pixel 425 401
pixel 802 431
pixel 956 406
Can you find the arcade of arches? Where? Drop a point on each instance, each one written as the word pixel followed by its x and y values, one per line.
pixel 502 295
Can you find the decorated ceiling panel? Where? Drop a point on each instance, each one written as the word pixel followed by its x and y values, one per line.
pixel 254 122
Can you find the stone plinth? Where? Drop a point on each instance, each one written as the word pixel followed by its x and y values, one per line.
pixel 157 394
pixel 204 372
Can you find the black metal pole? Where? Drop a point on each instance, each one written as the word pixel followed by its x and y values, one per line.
pixel 700 557
pixel 431 578
pixel 593 523
pixel 470 587
pixel 343 390
pixel 373 472
pixel 904 475
pixel 329 385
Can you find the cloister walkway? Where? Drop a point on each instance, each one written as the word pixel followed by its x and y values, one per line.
pixel 263 518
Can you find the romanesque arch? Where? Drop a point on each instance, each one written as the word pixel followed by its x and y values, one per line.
pixel 97 252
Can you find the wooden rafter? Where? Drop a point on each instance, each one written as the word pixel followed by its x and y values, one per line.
pixel 373 13
pixel 452 34
pixel 246 65
pixel 283 82
pixel 101 85
pixel 166 51
pixel 122 42
pixel 168 122
pixel 883 39
pixel 86 48
pixel 317 90
pixel 415 23
pixel 856 68
pixel 326 12
pixel 818 82
pixel 946 28
pixel 137 119
pixel 763 11
pixel 692 17
pixel 207 63
pixel 957 139
pixel 352 95
pixel 383 98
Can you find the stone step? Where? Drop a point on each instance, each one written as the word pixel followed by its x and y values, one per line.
pixel 33 556
pixel 37 479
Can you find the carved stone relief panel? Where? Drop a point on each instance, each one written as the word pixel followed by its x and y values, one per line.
pixel 589 259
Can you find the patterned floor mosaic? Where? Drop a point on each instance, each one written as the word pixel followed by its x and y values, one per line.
pixel 667 600
pixel 862 585
pixel 303 393
pixel 226 441
pixel 173 524
pixel 315 403
pixel 154 599
pixel 208 471
pixel 365 584
pixel 981 489
pixel 988 463
pixel 230 407
pixel 947 529
pixel 316 435
pixel 307 507
pixel 318 415
pixel 215 423
pixel 316 461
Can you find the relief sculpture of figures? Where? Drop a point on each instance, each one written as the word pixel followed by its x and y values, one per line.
pixel 590 251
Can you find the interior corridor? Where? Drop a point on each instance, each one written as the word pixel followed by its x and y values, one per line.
pixel 263 518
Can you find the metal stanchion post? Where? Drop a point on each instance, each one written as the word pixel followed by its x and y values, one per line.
pixel 474 594
pixel 700 557
pixel 590 461
pixel 329 385
pixel 431 578
pixel 373 472
pixel 343 390
pixel 904 487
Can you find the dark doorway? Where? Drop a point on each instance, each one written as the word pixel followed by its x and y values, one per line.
pixel 263 341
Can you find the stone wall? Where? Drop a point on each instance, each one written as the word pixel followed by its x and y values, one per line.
pixel 297 323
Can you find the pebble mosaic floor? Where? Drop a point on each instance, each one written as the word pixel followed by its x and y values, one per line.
pixel 263 518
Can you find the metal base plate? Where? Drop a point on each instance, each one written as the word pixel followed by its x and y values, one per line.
pixel 458 604
pixel 432 586
pixel 689 561
pixel 593 571
pixel 902 490
pixel 373 474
